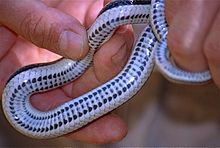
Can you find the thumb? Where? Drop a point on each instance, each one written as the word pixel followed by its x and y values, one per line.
pixel 45 27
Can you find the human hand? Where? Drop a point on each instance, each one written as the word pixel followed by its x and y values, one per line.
pixel 194 35
pixel 16 52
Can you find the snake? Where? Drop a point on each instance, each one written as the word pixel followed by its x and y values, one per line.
pixel 150 49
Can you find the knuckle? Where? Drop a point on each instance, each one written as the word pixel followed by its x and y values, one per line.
pixel 36 29
pixel 180 46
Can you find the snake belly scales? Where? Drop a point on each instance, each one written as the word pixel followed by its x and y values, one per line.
pixel 149 48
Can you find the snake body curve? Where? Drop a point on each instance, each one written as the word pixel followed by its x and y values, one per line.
pixel 97 102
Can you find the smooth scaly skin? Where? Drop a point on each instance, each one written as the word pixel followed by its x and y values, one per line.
pixel 84 109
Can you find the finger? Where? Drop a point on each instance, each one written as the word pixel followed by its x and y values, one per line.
pixel 171 8
pixel 113 55
pixel 7 40
pixel 46 27
pixel 107 129
pixel 92 12
pixel 187 32
pixel 106 1
pixel 212 50
pixel 80 13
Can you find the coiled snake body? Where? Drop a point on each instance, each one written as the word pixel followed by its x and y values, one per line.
pixel 74 114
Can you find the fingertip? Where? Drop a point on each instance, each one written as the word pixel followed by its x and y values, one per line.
pixel 107 129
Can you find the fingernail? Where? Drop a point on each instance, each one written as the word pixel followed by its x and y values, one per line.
pixel 71 44
pixel 121 55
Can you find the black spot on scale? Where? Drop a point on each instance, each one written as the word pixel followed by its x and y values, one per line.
pixel 117 80
pixel 12 108
pixel 65 121
pixel 114 96
pixel 142 39
pixel 109 99
pixel 139 44
pixel 90 109
pixel 44 77
pixel 39 78
pixel 100 28
pixel 19 87
pixel 26 127
pixel 34 80
pixel 15 91
pixel 42 130
pixel 74 117
pixel 66 108
pixel 70 119
pixel 95 93
pixel 103 26
pixel 108 23
pixel 123 17
pixel 13 112
pixel 154 17
pixel 50 76
pixel 95 107
pixel 60 124
pixel 124 89
pixel 38 129
pixel 99 104
pixel 124 74
pixel 47 129
pixel 128 86
pixel 80 101
pixel 117 19
pixel 80 114
pixel 96 32
pixel 127 17
pixel 23 84
pixel 84 112
pixel 13 95
pixel 104 88
pixel 142 68
pixel 12 99
pixel 136 54
pixel 105 101
pixel 155 11
pixel 30 128
pixel 76 103
pixel 136 16
pixel 71 105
